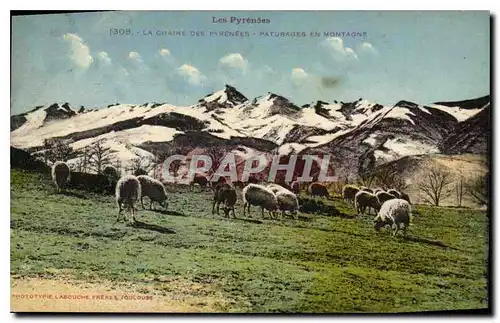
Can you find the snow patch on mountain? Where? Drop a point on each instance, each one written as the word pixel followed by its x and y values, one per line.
pixel 371 140
pixel 291 148
pixel 457 112
pixel 400 113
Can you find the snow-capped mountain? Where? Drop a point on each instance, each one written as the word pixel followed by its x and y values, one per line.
pixel 359 135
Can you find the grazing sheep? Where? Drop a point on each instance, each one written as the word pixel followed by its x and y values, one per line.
pixel 224 193
pixel 255 194
pixel 295 187
pixel 363 200
pixel 394 213
pixel 60 175
pixel 349 192
pixel 366 189
pixel 384 196
pixel 287 201
pixel 317 189
pixel 153 189
pixel 127 192
pixel 394 192
pixel 199 179
pixel 405 197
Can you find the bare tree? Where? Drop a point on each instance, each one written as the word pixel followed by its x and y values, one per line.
pixel 82 163
pixel 478 188
pixel 388 177
pixel 459 190
pixel 55 150
pixel 367 179
pixel 433 184
pixel 100 156
pixel 140 165
pixel 117 164
pixel 216 153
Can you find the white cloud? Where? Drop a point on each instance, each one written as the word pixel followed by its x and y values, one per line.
pixel 79 51
pixel 299 76
pixel 335 46
pixel 135 56
pixel 234 60
pixel 164 52
pixel 367 48
pixel 192 75
pixel 104 58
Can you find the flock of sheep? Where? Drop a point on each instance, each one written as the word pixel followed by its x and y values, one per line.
pixel 391 207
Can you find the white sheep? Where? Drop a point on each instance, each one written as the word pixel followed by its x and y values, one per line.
pixel 259 195
pixel 60 175
pixel 394 213
pixel 153 189
pixel 127 192
pixel 363 200
pixel 287 201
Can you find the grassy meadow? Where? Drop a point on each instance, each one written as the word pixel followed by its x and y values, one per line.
pixel 320 264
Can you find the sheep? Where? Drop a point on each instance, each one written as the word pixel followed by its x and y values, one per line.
pixel 295 187
pixel 349 192
pixel 255 194
pixel 60 175
pixel 318 189
pixel 366 189
pixel 394 213
pixel 127 192
pixel 153 189
pixel 225 193
pixel 287 201
pixel 394 192
pixel 384 196
pixel 363 200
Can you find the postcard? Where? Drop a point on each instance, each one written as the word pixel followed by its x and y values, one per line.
pixel 293 162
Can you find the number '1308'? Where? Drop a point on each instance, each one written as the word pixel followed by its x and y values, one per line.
pixel 120 32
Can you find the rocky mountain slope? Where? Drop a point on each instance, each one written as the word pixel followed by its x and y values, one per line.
pixel 358 135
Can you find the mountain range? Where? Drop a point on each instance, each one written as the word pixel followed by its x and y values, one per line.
pixel 358 135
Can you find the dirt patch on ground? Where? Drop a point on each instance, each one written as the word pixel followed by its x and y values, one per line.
pixel 163 294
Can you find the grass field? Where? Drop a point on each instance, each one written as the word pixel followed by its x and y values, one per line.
pixel 204 262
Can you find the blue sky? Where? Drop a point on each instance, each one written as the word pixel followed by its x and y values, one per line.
pixel 417 56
